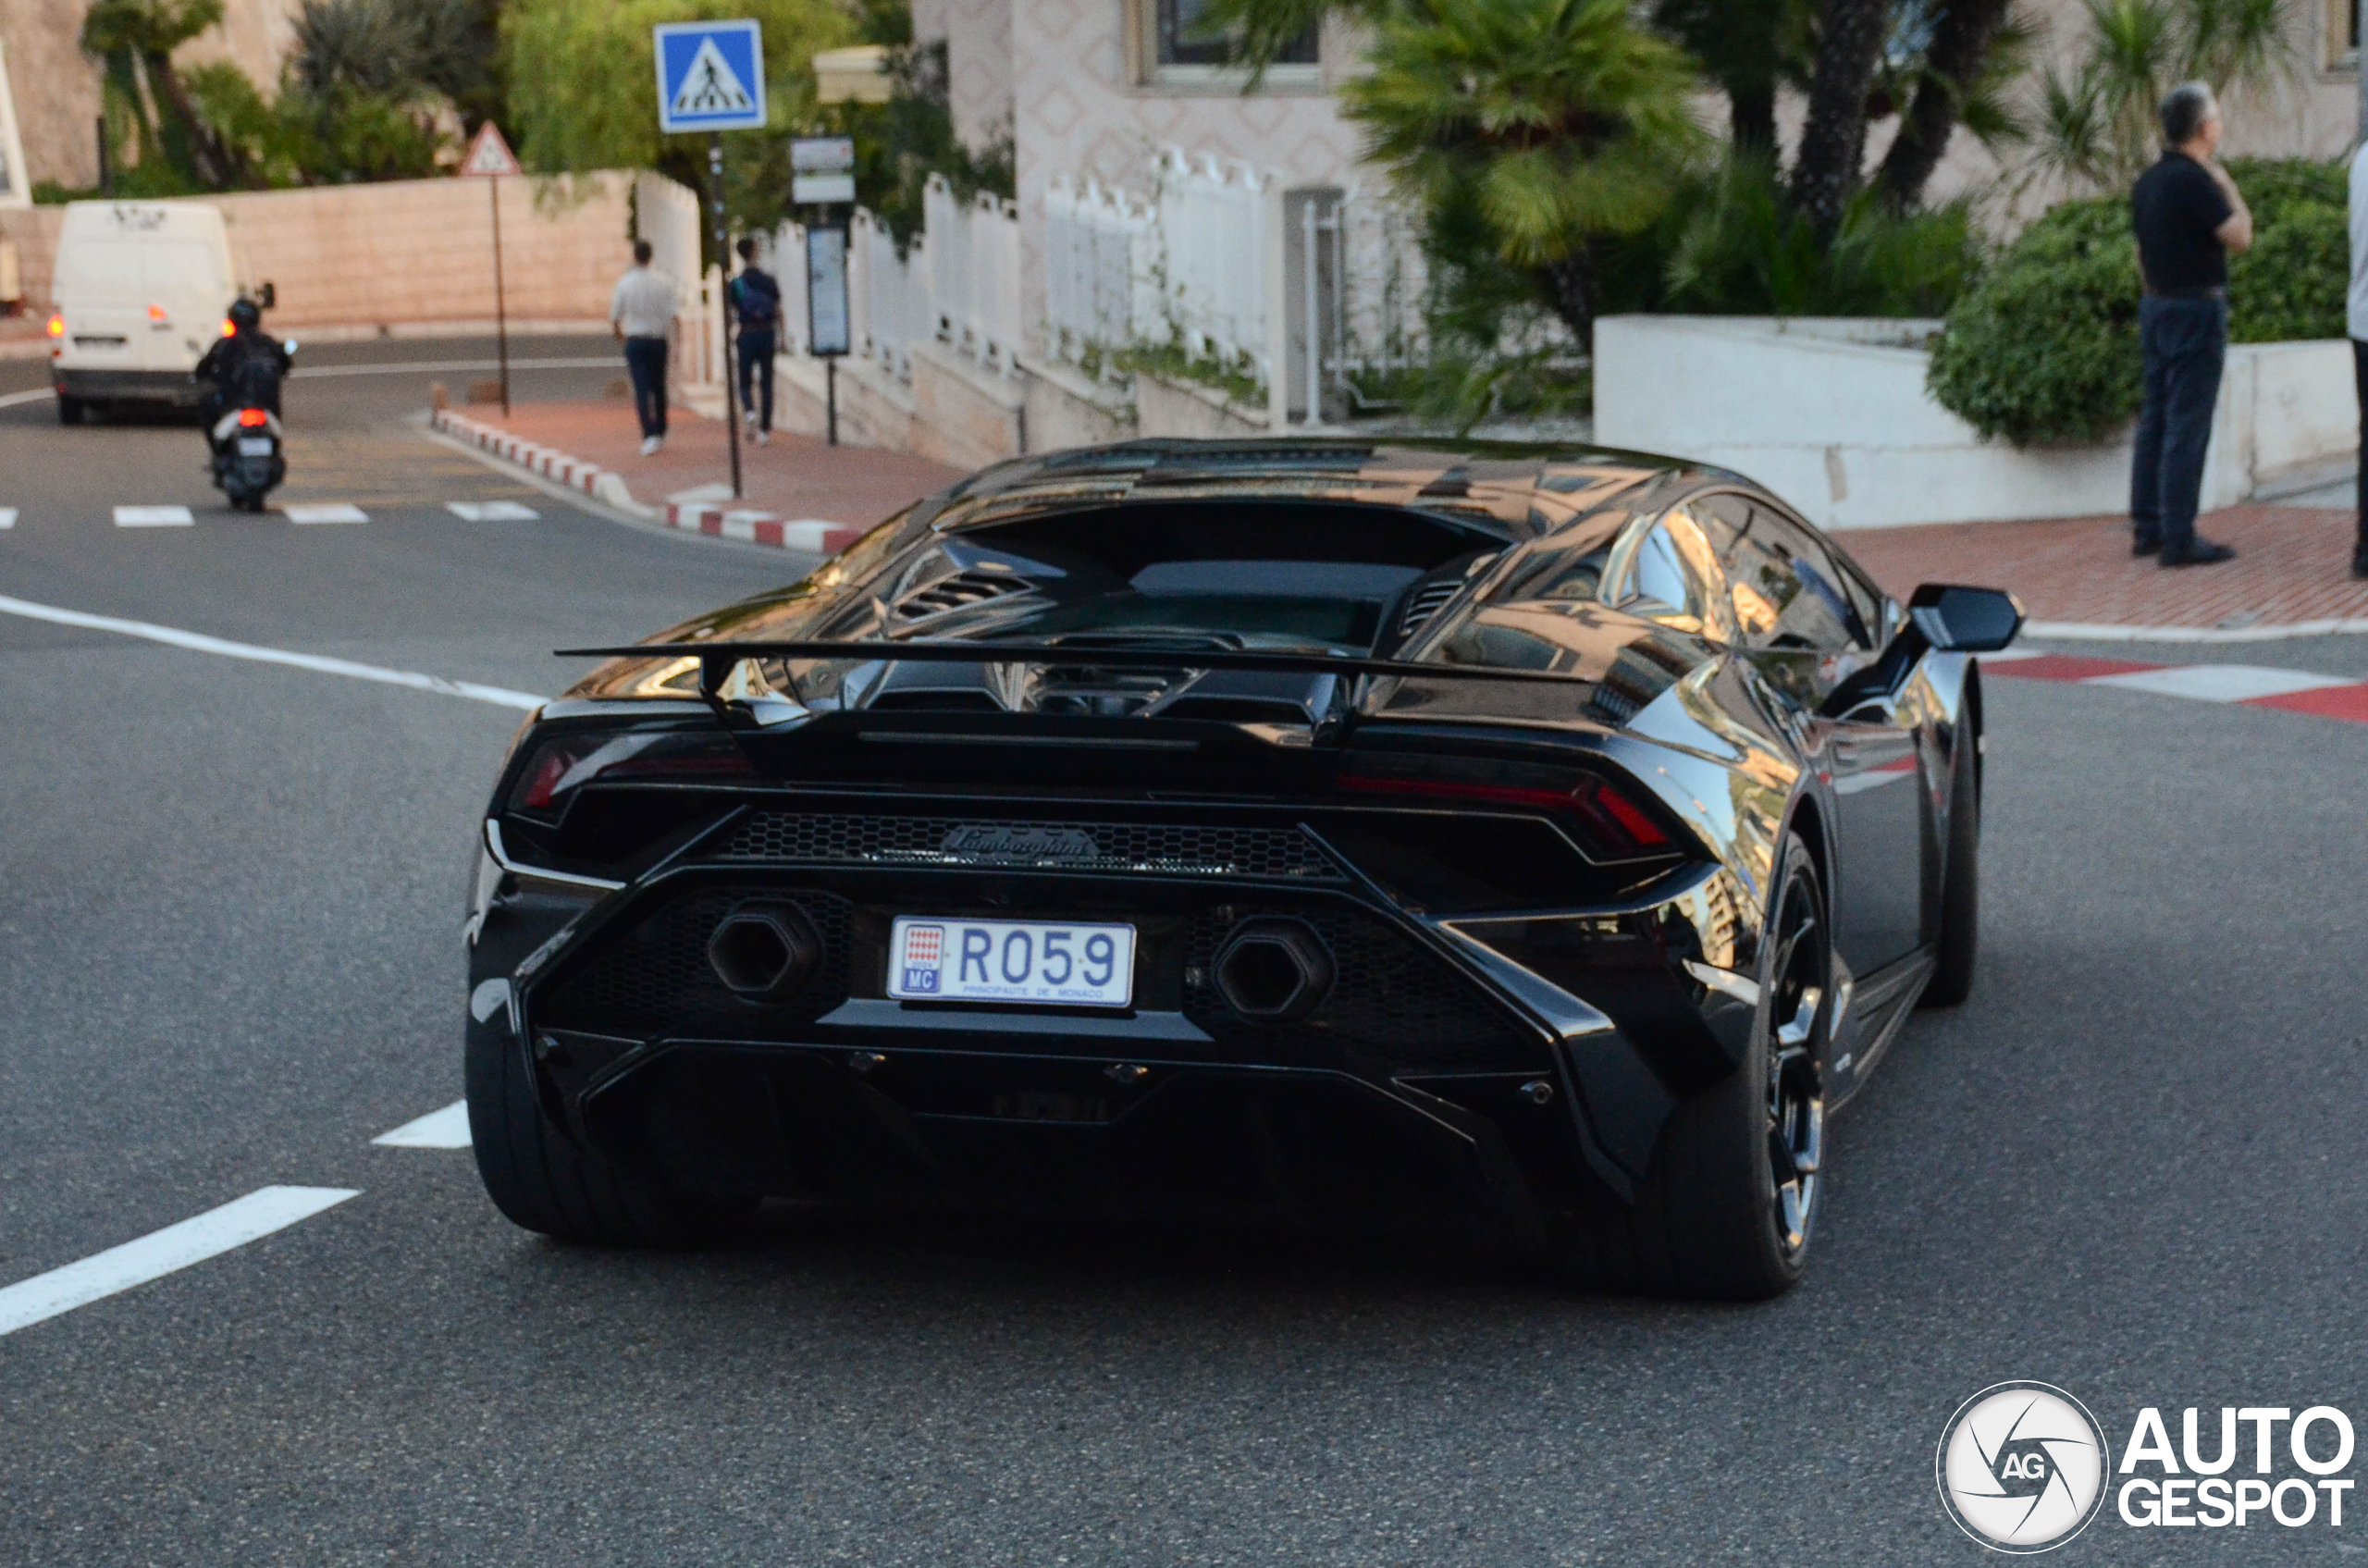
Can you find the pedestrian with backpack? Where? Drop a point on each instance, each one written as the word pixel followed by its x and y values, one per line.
pixel 756 297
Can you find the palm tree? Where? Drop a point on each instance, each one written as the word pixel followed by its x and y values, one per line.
pixel 135 37
pixel 1553 123
pixel 2098 124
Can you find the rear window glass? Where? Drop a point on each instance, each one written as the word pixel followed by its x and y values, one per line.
pixel 183 267
pixel 1259 573
pixel 102 271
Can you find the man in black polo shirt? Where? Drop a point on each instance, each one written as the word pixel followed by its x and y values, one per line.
pixel 2188 216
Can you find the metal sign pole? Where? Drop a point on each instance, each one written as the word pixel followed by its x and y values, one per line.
pixel 724 286
pixel 501 300
pixel 831 398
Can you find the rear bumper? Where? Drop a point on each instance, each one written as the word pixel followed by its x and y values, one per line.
pixel 170 386
pixel 1440 1076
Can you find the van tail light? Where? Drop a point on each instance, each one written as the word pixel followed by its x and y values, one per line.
pixel 1610 820
pixel 565 764
pixel 159 315
pixel 57 324
pixel 252 418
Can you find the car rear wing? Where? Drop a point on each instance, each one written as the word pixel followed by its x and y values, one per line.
pixel 717 659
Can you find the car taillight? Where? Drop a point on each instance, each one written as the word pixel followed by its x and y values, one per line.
pixel 159 315
pixel 253 418
pixel 1614 821
pixel 565 764
pixel 57 324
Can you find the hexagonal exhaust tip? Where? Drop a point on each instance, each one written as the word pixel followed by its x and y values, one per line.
pixel 1273 970
pixel 765 951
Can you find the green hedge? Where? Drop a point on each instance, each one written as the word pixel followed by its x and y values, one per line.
pixel 2045 348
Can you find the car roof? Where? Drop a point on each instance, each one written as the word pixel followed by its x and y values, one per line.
pixel 1516 490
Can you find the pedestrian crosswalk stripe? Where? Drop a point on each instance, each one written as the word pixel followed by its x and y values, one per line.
pixel 7 516
pixel 446 1129
pixel 152 517
pixel 324 512
pixel 491 511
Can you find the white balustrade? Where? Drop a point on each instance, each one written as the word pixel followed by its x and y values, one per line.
pixel 1213 227
pixel 1099 256
pixel 974 274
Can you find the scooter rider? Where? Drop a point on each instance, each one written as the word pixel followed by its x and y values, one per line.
pixel 245 368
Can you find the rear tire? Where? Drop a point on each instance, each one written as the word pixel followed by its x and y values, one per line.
pixel 541 1179
pixel 70 410
pixel 1730 1206
pixel 1960 880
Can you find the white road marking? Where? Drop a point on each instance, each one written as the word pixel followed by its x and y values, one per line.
pixel 491 511
pixel 160 1252
pixel 199 642
pixel 7 516
pixel 324 512
pixel 446 1129
pixel 153 517
pixel 13 398
pixel 2220 683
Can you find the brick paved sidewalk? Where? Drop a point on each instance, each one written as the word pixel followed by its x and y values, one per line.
pixel 2293 565
pixel 795 477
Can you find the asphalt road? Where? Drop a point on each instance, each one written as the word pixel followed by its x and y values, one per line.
pixel 229 956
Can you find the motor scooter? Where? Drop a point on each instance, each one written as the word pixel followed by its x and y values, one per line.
pixel 250 459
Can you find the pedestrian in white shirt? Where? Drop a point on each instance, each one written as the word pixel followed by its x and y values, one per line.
pixel 641 310
pixel 2356 325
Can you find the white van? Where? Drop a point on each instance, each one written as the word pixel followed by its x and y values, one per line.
pixel 142 289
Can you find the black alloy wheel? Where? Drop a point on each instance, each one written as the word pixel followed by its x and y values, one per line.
pixel 1951 979
pixel 1797 1016
pixel 1730 1206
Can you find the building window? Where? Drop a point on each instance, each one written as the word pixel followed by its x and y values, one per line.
pixel 2342 35
pixel 1178 50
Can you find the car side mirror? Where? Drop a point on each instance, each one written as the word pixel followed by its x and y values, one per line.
pixel 1962 619
pixel 267 296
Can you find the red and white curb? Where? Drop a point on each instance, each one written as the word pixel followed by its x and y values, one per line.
pixel 807 535
pixel 573 472
pixel 810 535
pixel 2246 685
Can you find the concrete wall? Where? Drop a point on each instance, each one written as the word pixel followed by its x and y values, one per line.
pixel 1833 416
pixel 404 252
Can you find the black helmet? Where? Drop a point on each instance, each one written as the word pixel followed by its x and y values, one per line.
pixel 245 315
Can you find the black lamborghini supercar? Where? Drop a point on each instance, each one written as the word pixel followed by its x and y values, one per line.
pixel 1500 837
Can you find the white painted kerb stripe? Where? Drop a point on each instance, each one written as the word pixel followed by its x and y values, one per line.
pixel 176 1246
pixel 446 1129
pixel 199 642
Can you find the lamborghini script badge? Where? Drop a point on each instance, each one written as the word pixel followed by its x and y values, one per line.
pixel 997 842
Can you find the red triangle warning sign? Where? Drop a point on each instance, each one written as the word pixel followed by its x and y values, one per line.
pixel 489 155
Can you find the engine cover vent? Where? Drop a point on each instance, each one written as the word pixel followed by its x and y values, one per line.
pixel 960 591
pixel 1427 601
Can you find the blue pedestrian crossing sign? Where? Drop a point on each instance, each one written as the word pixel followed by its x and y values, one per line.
pixel 710 76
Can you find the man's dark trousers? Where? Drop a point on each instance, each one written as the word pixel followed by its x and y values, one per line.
pixel 2185 340
pixel 646 359
pixel 757 364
